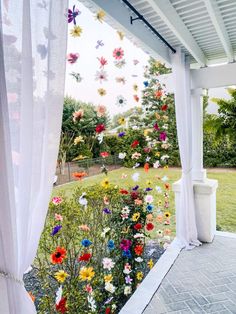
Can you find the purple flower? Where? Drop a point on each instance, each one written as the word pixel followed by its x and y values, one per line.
pixel 128 279
pixel 125 244
pixel 135 188
pixel 148 189
pixel 56 229
pixel 106 211
pixel 72 14
pixel 162 136
pixel 121 134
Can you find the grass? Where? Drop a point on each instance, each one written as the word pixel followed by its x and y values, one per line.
pixel 226 200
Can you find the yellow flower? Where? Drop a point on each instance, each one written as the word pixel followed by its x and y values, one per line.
pixel 102 92
pixel 157 116
pixel 121 120
pixel 148 182
pixel 166 167
pixel 100 15
pixel 159 203
pixel 121 35
pixel 86 273
pixel 139 275
pixel 167 214
pixel 135 87
pixel 150 263
pixel 165 118
pixel 135 216
pixel 76 31
pixel 61 276
pixel 157 154
pixel 105 183
pixel 147 131
pixel 108 278
pixel 78 139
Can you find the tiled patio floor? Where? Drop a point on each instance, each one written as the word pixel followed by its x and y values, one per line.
pixel 200 281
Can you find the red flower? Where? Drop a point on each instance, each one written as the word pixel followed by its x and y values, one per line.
pixel 104 154
pixel 150 226
pixel 58 256
pixel 134 144
pixel 134 195
pixel 164 107
pixel 85 257
pixel 108 310
pixel 138 249
pixel 61 306
pixel 100 128
pixel 138 226
pixel 156 127
pixel 158 93
pixel 123 191
pixel 146 167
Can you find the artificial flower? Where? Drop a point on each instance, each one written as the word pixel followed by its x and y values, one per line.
pixel 72 14
pixel 86 273
pixel 105 200
pixel 110 287
pixel 127 290
pixel 76 31
pixel 156 164
pixel 135 87
pixel 106 210
pixel 167 232
pixel 120 101
pixel 139 259
pixel 101 110
pixel 111 245
pixel 121 121
pixel 100 128
pixel 59 255
pixel 104 154
pixel 158 189
pixel 146 167
pixel 108 278
pixel 134 195
pixel 56 229
pixel 149 217
pixel 138 202
pixel 149 199
pixel 136 98
pixel 139 275
pixel 167 186
pixel 125 244
pixel 86 242
pixel 102 92
pixel 56 200
pixel 135 216
pixel 92 303
pixel 158 93
pixel 125 210
pixel 118 53
pixel 58 217
pixel 32 297
pixel 121 134
pixel 135 176
pixel 167 222
pixel 108 310
pixel 84 228
pixel 102 61
pixel 82 200
pixel 122 155
pixel 159 233
pixel 72 57
pixel 123 176
pixel 89 288
pixel 105 231
pixel 85 257
pixel 167 214
pixel 120 63
pixel 101 76
pixel 79 175
pixel 123 191
pixel 76 76
pixel 121 35
pixel 138 249
pixel 127 269
pixel 165 167
pixel 108 263
pixel 78 115
pixel 150 226
pixel 105 183
pixel 100 15
pixel 61 276
pixel 135 143
pixel 127 254
pixel 78 139
pixel 61 306
pixel 135 188
pixel 162 136
pixel 136 155
pixel 138 226
pixel 159 218
pixel 149 208
pixel 164 107
pixel 150 263
pixel 121 79
pixel 128 280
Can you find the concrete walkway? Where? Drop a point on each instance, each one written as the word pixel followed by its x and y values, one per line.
pixel 200 281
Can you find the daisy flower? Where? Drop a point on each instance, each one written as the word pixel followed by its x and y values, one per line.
pixel 100 15
pixel 120 101
pixel 61 276
pixel 76 31
pixel 101 76
pixel 102 92
pixel 118 53
pixel 86 273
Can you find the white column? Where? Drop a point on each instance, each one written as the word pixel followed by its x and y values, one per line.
pixel 198 173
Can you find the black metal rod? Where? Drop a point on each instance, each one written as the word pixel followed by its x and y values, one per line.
pixel 149 25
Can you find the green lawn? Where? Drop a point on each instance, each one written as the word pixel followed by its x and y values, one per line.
pixel 226 196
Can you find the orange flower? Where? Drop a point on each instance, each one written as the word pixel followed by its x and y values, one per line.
pixel 167 186
pixel 138 249
pixel 159 218
pixel 158 93
pixel 31 296
pixel 84 228
pixel 146 167
pixel 149 217
pixel 138 202
pixel 167 232
pixel 79 175
pixel 59 255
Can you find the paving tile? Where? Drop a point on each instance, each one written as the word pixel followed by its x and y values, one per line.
pixel 230 306
pixel 213 307
pixel 177 306
pixel 193 305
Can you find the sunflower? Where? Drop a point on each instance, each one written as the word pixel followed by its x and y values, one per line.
pixel 108 278
pixel 139 275
pixel 121 120
pixel 59 255
pixel 105 183
pixel 61 276
pixel 135 216
pixel 167 214
pixel 76 31
pixel 150 263
pixel 86 273
pixel 102 92
pixel 100 16
pixel 120 101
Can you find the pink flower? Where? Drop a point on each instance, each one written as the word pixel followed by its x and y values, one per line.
pixel 156 127
pixel 149 198
pixel 72 57
pixel 101 111
pixel 104 154
pixel 56 200
pixel 78 115
pixel 118 53
pixel 58 217
pixel 162 136
pixel 89 288
pixel 103 62
pixel 125 244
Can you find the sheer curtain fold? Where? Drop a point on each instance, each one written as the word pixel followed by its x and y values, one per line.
pixel 186 230
pixel 33 40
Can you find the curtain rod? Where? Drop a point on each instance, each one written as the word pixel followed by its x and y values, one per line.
pixel 140 17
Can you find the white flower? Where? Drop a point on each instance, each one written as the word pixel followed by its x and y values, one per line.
pixel 139 259
pixel 164 157
pixel 136 155
pixel 125 210
pixel 120 101
pixel 139 235
pixel 156 164
pixel 135 176
pixel 149 198
pixel 92 304
pixel 105 231
pixel 158 189
pixel 82 200
pixel 122 155
pixel 136 165
pixel 148 158
pixel 101 76
pixel 127 290
pixel 165 126
pixel 108 263
pixel 59 295
pixel 127 270
pixel 135 127
pixel 165 178
pixel 113 307
pixel 109 287
pixel 100 138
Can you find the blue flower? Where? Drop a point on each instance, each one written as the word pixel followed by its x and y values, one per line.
pixel 145 83
pixel 135 188
pixel 110 244
pixel 126 254
pixel 148 189
pixel 149 208
pixel 121 134
pixel 86 242
pixel 106 211
pixel 56 229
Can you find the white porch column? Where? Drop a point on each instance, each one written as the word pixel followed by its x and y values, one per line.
pixel 198 173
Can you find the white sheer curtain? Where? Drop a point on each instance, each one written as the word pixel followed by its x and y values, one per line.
pixel 186 230
pixel 33 39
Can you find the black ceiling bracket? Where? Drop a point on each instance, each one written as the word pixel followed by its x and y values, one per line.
pixel 135 18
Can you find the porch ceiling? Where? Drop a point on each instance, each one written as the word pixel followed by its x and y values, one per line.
pixel 204 29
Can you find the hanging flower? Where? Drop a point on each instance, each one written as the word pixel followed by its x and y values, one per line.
pixel 85 257
pixel 61 306
pixel 72 57
pixel 102 92
pixel 108 263
pixel 78 115
pixel 101 110
pixel 86 242
pixel 121 121
pixel 72 14
pixel 136 98
pixel 149 226
pixel 120 80
pixel 118 53
pixel 120 101
pixel 101 76
pixel 59 255
pixel 138 249
pixel 56 200
pixel 61 276
pixel 76 31
pixel 56 229
pixel 105 183
pixel 86 273
pixel 100 15
pixel 104 154
pixel 103 62
pixel 100 128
